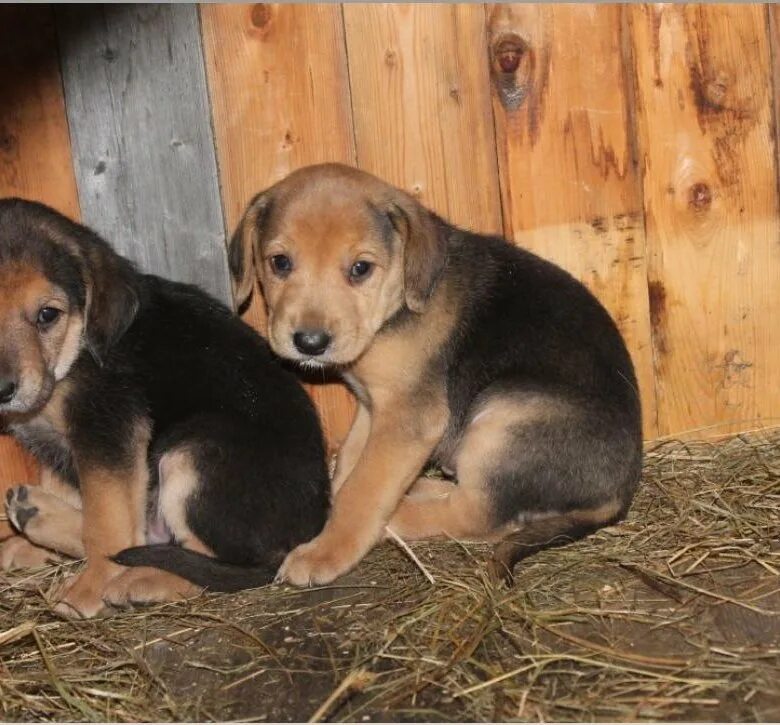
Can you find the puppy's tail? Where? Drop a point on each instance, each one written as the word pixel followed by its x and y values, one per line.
pixel 547 533
pixel 214 575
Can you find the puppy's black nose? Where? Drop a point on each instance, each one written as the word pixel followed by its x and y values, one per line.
pixel 311 342
pixel 7 391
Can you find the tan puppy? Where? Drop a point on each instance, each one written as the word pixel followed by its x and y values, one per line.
pixel 462 350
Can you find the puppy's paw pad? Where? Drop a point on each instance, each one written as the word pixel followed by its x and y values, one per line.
pixel 16 493
pixel 20 507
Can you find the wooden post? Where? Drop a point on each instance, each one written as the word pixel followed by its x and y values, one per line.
pixel 139 122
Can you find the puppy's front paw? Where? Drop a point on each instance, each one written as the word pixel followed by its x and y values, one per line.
pixel 315 562
pixel 81 596
pixel 20 507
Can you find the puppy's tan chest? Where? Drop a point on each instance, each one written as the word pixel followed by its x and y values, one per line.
pixel 395 386
pixel 390 368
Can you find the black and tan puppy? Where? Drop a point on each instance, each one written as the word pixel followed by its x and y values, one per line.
pixel 462 350
pixel 157 417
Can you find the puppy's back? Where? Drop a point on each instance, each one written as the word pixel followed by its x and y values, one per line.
pixel 527 321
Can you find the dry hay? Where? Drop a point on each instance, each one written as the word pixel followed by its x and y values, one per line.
pixel 672 614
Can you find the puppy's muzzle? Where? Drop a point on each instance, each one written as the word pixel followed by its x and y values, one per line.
pixel 311 342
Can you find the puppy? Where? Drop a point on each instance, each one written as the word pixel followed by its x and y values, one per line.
pixel 157 417
pixel 463 351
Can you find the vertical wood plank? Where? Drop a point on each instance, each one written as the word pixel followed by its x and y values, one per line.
pixel 280 99
pixel 35 160
pixel 570 187
pixel 138 110
pixel 421 100
pixel 710 190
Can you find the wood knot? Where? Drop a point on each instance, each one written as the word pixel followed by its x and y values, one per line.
pixel 8 143
pixel 390 57
pixel 261 15
pixel 508 51
pixel 715 90
pixel 700 197
pixel 710 91
pixel 600 225
pixel 511 68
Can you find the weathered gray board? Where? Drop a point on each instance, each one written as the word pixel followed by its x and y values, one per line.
pixel 140 128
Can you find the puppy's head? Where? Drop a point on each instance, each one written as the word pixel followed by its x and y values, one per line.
pixel 337 252
pixel 61 289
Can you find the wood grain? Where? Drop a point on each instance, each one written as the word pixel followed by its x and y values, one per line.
pixel 421 102
pixel 35 160
pixel 706 137
pixel 639 154
pixel 280 100
pixel 570 187
pixel 138 110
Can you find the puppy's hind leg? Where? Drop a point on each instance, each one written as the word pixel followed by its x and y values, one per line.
pixel 145 584
pixel 433 507
pixel 19 553
pixel 532 471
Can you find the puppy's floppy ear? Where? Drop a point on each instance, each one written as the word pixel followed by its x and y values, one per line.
pixel 424 250
pixel 112 295
pixel 242 247
pixel 108 281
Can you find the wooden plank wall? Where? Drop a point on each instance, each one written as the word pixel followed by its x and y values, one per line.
pixel 640 155
pixel 706 136
pixel 35 157
pixel 422 106
pixel 140 127
pixel 280 100
pixel 570 187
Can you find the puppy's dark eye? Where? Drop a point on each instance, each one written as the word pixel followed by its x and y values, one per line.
pixel 360 270
pixel 281 265
pixel 48 316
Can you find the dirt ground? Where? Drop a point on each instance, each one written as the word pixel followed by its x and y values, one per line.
pixel 672 615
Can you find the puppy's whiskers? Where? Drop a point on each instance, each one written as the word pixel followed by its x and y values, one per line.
pixel 311 365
